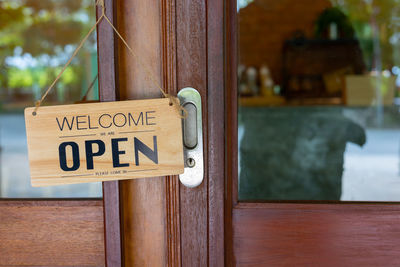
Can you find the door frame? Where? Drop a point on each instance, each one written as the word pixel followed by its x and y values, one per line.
pixel 192 55
pixel 231 125
pixel 107 61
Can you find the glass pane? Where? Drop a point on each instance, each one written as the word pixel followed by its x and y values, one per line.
pixel 319 102
pixel 36 40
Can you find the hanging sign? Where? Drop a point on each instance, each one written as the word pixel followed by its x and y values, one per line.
pixel 103 141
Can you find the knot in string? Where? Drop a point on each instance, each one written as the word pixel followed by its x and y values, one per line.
pixel 103 7
pixel 172 100
pixel 175 101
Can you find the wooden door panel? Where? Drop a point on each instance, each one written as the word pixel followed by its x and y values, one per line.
pixel 191 57
pixel 316 234
pixel 144 201
pixel 215 131
pixel 108 91
pixel 200 62
pixel 165 223
pixel 51 233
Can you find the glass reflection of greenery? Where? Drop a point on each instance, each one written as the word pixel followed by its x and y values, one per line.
pixel 376 24
pixel 36 40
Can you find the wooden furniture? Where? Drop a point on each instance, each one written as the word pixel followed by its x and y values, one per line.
pixel 311 67
pixel 258 101
pixel 274 101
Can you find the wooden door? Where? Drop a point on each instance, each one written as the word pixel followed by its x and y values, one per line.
pixel 302 233
pixel 193 43
pixel 63 232
pixel 158 221
pixel 147 222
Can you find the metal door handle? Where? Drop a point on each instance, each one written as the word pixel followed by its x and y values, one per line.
pixel 192 128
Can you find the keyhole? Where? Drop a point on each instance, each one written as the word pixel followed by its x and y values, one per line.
pixel 190 162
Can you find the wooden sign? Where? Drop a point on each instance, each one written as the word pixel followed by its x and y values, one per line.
pixel 103 141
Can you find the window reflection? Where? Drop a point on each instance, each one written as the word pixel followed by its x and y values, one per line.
pixel 36 40
pixel 319 100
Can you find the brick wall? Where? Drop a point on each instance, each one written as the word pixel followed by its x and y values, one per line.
pixel 264 25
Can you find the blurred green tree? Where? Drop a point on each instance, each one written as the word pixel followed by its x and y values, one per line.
pixel 44 33
pixel 376 23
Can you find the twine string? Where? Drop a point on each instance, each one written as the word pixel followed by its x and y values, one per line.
pixel 172 100
pixel 90 87
pixel 39 102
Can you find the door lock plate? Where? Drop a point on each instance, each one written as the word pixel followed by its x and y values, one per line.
pixel 192 128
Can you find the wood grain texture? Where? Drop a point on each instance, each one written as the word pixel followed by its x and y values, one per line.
pixel 230 124
pixel 184 226
pixel 112 223
pixel 192 72
pixel 51 233
pixel 168 16
pixel 144 201
pixel 106 51
pixel 107 62
pixel 216 133
pixel 316 234
pixel 153 123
